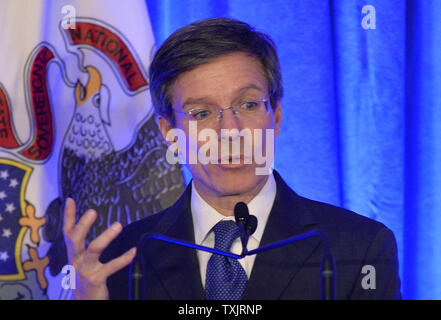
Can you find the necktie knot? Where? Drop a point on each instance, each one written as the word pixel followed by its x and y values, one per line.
pixel 225 232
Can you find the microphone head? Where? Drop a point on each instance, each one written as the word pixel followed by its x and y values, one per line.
pixel 251 225
pixel 241 212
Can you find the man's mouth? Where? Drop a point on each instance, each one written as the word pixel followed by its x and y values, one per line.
pixel 233 161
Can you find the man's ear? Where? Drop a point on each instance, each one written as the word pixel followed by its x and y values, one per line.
pixel 277 118
pixel 164 126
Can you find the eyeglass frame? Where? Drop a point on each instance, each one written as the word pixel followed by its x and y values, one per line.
pixel 220 111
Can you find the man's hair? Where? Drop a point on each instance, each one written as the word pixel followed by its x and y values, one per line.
pixel 200 43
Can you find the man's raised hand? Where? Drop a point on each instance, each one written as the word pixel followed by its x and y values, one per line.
pixel 91 274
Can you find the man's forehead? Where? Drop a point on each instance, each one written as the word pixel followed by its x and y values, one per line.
pixel 232 75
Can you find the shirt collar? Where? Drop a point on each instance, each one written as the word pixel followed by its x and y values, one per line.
pixel 206 217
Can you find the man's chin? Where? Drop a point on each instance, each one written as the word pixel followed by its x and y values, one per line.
pixel 233 179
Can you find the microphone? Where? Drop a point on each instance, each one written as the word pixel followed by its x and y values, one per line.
pixel 251 225
pixel 242 216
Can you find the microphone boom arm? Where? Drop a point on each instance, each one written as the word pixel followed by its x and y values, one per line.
pixel 190 245
pixel 327 271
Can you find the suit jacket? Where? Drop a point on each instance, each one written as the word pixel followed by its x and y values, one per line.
pixel 288 272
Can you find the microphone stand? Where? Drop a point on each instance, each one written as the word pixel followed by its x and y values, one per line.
pixel 327 269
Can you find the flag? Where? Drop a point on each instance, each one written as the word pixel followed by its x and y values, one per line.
pixel 75 121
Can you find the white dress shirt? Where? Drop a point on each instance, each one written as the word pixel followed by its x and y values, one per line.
pixel 206 217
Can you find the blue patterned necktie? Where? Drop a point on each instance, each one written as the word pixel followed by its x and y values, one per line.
pixel 225 279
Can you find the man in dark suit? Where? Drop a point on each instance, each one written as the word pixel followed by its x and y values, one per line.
pixel 221 79
pixel 289 272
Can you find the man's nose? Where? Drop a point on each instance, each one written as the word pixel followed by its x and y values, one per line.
pixel 229 120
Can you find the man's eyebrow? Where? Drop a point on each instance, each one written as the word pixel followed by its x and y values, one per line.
pixel 195 101
pixel 249 87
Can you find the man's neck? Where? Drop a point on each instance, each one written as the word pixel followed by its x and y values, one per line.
pixel 224 204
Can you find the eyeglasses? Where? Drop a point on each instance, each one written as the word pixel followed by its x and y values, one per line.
pixel 248 109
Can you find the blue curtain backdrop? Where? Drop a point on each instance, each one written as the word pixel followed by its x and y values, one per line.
pixel 361 113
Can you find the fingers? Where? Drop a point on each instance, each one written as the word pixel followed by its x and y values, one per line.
pixel 97 246
pixel 79 233
pixel 118 263
pixel 75 234
pixel 69 216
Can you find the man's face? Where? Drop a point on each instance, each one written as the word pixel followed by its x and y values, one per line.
pixel 227 80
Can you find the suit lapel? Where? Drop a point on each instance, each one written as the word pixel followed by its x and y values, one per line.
pixel 177 266
pixel 275 269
